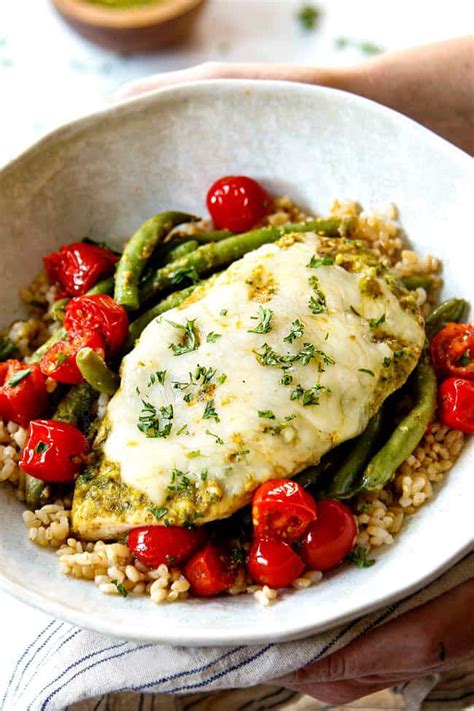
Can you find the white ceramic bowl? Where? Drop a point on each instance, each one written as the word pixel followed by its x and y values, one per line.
pixel 103 175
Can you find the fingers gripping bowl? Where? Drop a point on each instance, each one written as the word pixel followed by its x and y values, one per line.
pixel 256 330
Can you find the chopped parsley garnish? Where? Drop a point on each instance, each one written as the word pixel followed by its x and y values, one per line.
pixel 317 303
pixel 120 587
pixel 376 322
pixel 181 430
pixel 237 456
pixel 212 337
pixel 153 424
pixel 286 379
pixel 179 482
pixel 190 340
pixel 267 356
pixel 310 396
pixel 358 556
pixel 354 311
pixel 265 316
pixel 224 312
pixel 308 16
pixel 194 453
pixel 41 447
pixel 387 361
pixel 399 353
pixel 266 414
pixel 366 370
pixel 158 377
pixel 61 358
pixel 188 397
pixel 216 437
pixel 210 412
pixel 184 273
pixel 204 475
pixel 316 262
pixel 7 349
pixel 158 512
pixel 18 377
pixel 222 378
pixel 297 329
pixel 364 46
pixel 205 373
pixel 276 429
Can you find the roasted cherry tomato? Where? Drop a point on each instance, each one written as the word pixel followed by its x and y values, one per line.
pixel 452 351
pixel 98 313
pixel 171 545
pixel 53 451
pixel 237 203
pixel 330 538
pixel 23 394
pixel 59 362
pixel 456 404
pixel 273 562
pixel 79 266
pixel 211 571
pixel 282 509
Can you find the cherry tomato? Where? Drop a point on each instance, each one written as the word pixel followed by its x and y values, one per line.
pixel 171 545
pixel 53 450
pixel 456 404
pixel 211 571
pixel 330 538
pixel 452 350
pixel 23 394
pixel 79 266
pixel 282 509
pixel 273 562
pixel 99 313
pixel 60 361
pixel 237 203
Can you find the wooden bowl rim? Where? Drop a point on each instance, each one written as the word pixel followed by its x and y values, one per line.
pixel 125 18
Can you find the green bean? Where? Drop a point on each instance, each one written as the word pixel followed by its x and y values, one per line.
pixel 36 356
pixel 56 310
pixel 345 481
pixel 106 286
pixel 74 408
pixel 409 432
pixel 217 254
pixel 138 251
pixel 212 236
pixel 418 282
pixel 95 371
pixel 171 301
pixel 76 405
pixel 181 250
pixel 310 476
pixel 446 312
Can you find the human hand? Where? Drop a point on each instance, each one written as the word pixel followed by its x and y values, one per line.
pixel 429 639
pixel 433 84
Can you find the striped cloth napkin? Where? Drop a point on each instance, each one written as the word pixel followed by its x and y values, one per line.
pixel 51 664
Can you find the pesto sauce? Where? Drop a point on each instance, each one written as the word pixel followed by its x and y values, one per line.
pixel 122 4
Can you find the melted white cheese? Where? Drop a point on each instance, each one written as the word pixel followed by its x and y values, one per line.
pixel 236 451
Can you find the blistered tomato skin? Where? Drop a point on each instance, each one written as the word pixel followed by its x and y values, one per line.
pixel 330 538
pixel 274 563
pixel 237 203
pixel 210 571
pixel 79 266
pixel 168 545
pixel 99 313
pixel 452 351
pixel 59 362
pixel 456 404
pixel 23 394
pixel 282 509
pixel 54 451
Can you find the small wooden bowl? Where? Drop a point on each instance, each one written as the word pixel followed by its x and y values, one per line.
pixel 141 29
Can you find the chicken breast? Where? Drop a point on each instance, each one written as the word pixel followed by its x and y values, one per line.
pixel 259 373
